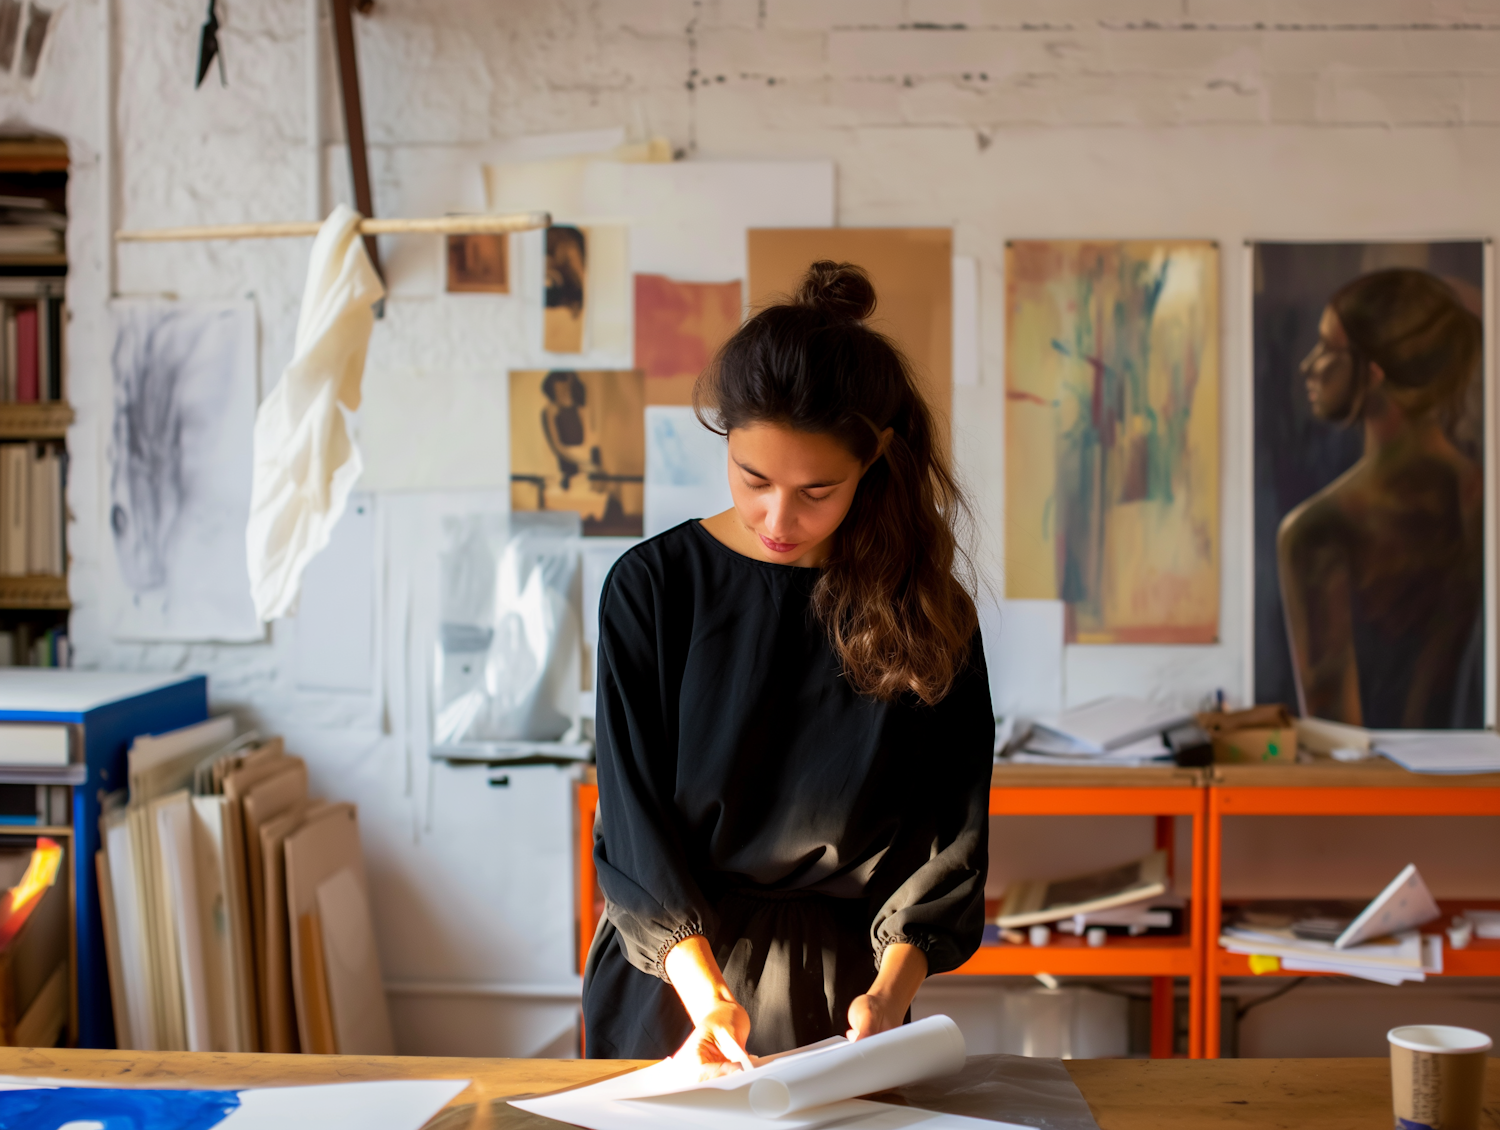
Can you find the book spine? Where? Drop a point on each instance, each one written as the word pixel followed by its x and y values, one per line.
pixel 14 492
pixel 43 346
pixel 10 352
pixel 38 541
pixel 27 383
pixel 55 316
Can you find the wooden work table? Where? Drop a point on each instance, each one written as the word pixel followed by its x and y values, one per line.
pixel 1247 1094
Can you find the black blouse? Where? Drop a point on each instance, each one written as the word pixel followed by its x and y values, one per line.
pixel 736 761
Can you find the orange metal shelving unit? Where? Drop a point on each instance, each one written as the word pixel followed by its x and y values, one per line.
pixel 1025 790
pixel 1330 789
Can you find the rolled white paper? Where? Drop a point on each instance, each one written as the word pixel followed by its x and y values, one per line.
pixel 924 1050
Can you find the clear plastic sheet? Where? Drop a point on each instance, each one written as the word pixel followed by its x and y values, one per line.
pixel 507 663
pixel 1016 1088
pixel 1009 1088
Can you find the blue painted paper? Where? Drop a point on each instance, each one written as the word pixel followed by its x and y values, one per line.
pixel 48 1108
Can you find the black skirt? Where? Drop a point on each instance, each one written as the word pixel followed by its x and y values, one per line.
pixel 794 959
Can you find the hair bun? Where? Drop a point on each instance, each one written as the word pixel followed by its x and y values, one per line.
pixel 842 290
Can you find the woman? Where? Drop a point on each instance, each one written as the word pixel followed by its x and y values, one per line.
pixel 794 726
pixel 1382 570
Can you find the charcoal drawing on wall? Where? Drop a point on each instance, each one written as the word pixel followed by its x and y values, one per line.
pixel 179 470
pixel 1370 482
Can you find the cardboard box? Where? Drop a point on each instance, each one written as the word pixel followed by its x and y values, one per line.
pixel 1262 734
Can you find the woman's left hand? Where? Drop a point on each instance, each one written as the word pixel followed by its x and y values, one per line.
pixel 872 1014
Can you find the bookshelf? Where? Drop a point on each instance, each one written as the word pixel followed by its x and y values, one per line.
pixel 34 411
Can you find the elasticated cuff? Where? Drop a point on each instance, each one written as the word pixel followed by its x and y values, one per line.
pixel 681 933
pixel 921 941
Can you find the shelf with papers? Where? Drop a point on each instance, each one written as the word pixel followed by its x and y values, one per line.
pixel 1068 956
pixel 55 830
pixel 1480 958
pixel 43 420
pixel 1329 788
pixel 34 591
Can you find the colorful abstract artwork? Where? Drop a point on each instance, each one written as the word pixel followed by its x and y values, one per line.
pixel 679 326
pixel 1112 436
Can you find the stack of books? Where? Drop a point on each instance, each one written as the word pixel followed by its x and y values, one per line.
pixel 32 519
pixel 30 226
pixel 235 905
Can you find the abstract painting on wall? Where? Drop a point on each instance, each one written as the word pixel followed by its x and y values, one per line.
pixel 679 326
pixel 1370 481
pixel 578 442
pixel 179 470
pixel 1112 436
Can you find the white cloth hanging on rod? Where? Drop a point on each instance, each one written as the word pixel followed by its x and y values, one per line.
pixel 306 460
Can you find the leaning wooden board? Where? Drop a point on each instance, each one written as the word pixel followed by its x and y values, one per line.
pixel 1247 1094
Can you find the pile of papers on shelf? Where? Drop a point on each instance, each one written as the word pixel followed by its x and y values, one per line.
pixel 1160 915
pixel 1381 943
pixel 1127 890
pixel 1445 752
pixel 1117 730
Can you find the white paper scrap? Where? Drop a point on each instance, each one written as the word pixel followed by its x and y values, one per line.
pixel 1404 904
pixel 813 1087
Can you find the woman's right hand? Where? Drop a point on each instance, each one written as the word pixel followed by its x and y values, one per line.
pixel 716 1043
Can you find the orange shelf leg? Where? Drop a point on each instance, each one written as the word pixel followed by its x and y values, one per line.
pixel 1163 1020
pixel 588 802
pixel 1210 920
pixel 1166 837
pixel 1202 869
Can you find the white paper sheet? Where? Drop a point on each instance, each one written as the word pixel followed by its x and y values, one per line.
pixel 686 469
pixel 1023 646
pixel 965 320
pixel 1405 904
pixel 1440 751
pixel 687 218
pixel 404 1104
pixel 335 623
pixel 813 1087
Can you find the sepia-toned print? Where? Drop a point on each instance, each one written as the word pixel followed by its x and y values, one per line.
pixel 578 442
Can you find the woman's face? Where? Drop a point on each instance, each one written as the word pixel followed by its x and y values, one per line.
pixel 791 490
pixel 1329 371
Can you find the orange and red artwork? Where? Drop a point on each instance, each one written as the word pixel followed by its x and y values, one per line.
pixel 679 326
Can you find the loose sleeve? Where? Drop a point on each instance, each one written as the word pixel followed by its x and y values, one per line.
pixel 650 894
pixel 940 907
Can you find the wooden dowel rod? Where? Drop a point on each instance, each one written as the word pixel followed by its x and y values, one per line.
pixel 440 225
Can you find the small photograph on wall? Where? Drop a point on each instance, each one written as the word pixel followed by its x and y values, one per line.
pixel 1112 436
pixel 567 284
pixel 478 263
pixel 578 442
pixel 1370 481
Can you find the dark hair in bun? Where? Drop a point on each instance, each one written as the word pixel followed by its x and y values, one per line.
pixel 894 592
pixel 841 290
